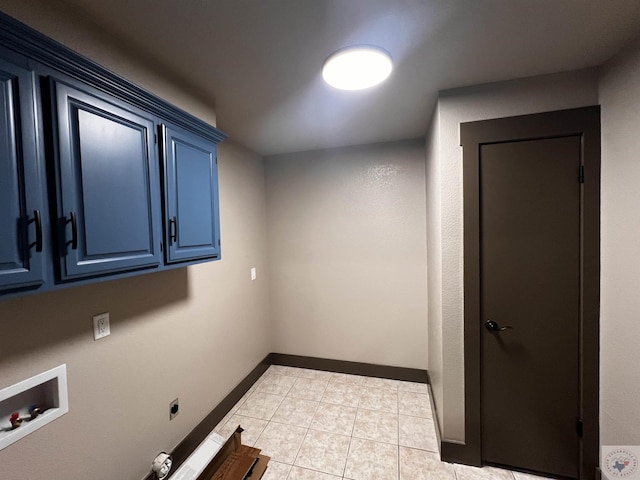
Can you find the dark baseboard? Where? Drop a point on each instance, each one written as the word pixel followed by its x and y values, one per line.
pixel 436 423
pixel 453 452
pixel 204 428
pixel 459 453
pixel 353 368
pixel 187 446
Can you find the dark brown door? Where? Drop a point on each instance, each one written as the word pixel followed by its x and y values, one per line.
pixel 532 263
pixel 530 286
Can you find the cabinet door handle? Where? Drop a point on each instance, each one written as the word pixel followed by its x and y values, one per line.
pixel 173 230
pixel 74 230
pixel 38 219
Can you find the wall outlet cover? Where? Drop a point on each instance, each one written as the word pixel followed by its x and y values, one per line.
pixel 101 326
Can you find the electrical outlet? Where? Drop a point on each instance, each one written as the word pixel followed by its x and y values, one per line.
pixel 253 273
pixel 174 409
pixel 101 326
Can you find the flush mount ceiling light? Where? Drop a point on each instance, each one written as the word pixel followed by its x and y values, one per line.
pixel 356 68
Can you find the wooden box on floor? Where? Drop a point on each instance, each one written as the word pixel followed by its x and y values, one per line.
pixel 235 461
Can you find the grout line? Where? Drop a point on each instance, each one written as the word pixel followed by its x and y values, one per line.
pixel 258 436
pixel 353 427
pixel 315 470
pixel 398 412
pixel 346 460
pixel 289 472
pixel 314 414
pixel 299 448
pixel 360 388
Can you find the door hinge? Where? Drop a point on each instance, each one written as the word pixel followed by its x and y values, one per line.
pixel 155 138
pixel 579 427
pixel 581 174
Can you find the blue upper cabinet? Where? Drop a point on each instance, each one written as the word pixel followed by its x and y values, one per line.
pixel 192 223
pixel 108 183
pixel 82 197
pixel 21 182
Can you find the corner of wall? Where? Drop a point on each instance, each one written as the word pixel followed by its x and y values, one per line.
pixel 502 99
pixel 434 260
pixel 619 94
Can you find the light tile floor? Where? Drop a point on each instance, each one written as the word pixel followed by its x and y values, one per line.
pixel 325 426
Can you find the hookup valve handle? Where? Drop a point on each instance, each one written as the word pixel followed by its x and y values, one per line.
pixel 16 420
pixel 34 411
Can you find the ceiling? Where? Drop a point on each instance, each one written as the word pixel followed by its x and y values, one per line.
pixel 259 61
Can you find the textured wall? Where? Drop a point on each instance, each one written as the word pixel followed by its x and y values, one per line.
pixel 434 260
pixel 75 29
pixel 192 333
pixel 347 253
pixel 620 236
pixel 516 97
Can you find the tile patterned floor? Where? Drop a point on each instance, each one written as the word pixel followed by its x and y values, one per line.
pixel 330 426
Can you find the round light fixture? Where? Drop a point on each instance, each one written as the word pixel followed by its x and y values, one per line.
pixel 356 68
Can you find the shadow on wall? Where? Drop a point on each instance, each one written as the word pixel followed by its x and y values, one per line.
pixel 42 321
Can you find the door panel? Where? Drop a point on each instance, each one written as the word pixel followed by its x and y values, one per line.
pixel 22 219
pixel 191 196
pixel 530 280
pixel 108 181
pixel 114 169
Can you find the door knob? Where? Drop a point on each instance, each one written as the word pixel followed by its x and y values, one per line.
pixel 494 327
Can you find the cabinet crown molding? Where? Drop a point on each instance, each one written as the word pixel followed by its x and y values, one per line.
pixel 24 40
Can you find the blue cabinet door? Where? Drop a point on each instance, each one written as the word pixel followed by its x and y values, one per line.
pixel 22 218
pixel 108 198
pixel 192 223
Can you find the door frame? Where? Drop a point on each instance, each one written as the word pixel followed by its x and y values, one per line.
pixel 584 122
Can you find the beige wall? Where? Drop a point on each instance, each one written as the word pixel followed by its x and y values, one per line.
pixel 191 333
pixel 72 27
pixel 434 260
pixel 517 97
pixel 620 234
pixel 346 248
pixel 347 253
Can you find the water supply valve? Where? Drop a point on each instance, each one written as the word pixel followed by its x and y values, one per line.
pixel 15 420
